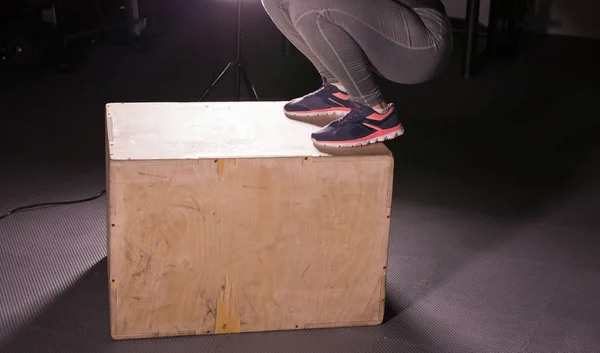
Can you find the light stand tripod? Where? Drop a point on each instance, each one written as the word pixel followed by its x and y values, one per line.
pixel 236 63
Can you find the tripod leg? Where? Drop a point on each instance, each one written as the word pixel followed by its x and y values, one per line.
pixel 249 86
pixel 216 80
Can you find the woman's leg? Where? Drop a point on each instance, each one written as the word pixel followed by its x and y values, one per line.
pixel 328 102
pixel 278 11
pixel 351 37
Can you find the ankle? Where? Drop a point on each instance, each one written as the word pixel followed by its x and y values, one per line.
pixel 339 86
pixel 380 106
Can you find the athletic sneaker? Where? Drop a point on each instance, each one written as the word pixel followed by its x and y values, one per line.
pixel 327 100
pixel 361 126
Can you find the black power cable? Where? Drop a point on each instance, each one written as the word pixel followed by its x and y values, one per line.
pixel 47 204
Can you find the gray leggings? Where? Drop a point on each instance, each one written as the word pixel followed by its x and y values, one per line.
pixel 350 40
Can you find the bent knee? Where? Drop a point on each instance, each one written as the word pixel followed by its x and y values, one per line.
pixel 271 5
pixel 306 12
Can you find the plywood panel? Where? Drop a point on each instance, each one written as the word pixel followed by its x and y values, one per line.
pixel 226 245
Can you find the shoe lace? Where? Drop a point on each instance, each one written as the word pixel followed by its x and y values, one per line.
pixel 357 111
pixel 314 93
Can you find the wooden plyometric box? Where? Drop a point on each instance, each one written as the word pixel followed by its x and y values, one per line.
pixel 225 218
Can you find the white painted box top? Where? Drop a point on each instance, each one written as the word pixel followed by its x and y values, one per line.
pixel 143 131
pixel 173 130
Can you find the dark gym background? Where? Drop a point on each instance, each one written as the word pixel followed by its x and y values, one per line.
pixel 495 243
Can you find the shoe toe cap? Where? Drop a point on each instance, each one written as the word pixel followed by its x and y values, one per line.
pixel 326 133
pixel 295 107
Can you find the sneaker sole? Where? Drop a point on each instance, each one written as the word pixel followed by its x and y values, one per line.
pixel 321 118
pixel 364 141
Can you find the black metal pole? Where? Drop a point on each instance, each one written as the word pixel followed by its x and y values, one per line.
pixel 491 48
pixel 238 55
pixel 471 40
